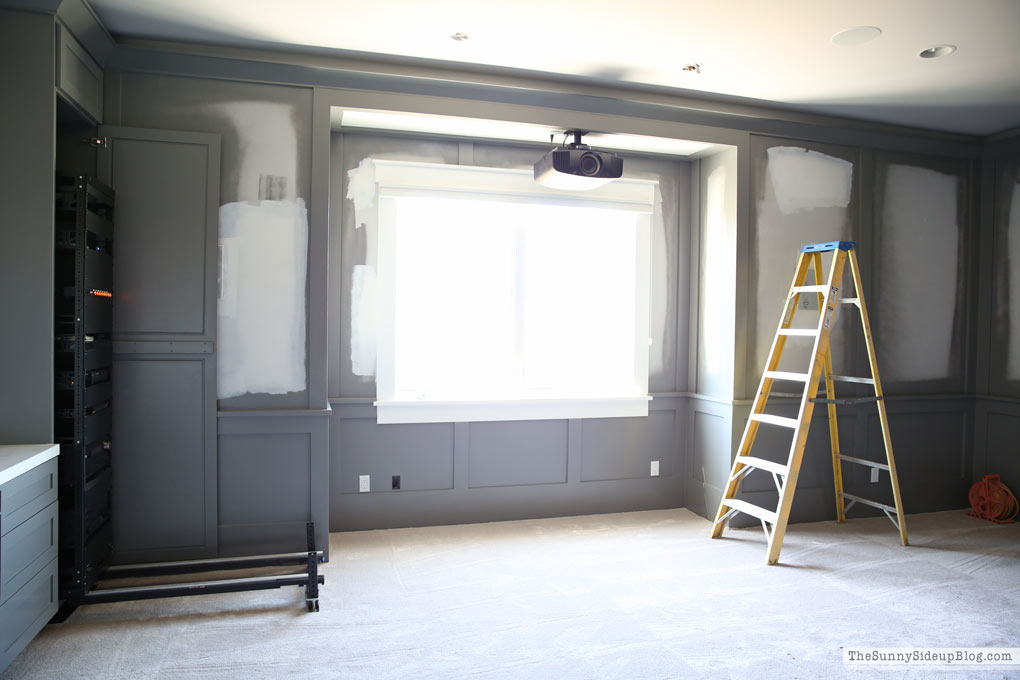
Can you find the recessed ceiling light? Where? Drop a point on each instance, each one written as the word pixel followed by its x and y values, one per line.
pixel 937 51
pixel 459 37
pixel 858 35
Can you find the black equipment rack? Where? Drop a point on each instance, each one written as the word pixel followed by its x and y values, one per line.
pixel 83 366
pixel 83 361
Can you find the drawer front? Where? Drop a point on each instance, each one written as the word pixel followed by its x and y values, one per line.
pixel 26 612
pixel 27 494
pixel 26 549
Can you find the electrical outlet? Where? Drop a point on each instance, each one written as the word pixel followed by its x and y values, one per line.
pixel 396 483
pixel 874 475
pixel 655 468
pixel 364 483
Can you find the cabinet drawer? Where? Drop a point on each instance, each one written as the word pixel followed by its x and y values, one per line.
pixel 26 549
pixel 79 78
pixel 27 494
pixel 26 612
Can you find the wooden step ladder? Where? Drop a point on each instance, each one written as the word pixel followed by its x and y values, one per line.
pixel 785 475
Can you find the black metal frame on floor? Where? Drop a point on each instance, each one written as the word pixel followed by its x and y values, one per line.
pixel 310 578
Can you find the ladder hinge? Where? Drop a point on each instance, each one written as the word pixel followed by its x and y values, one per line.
pixel 97 142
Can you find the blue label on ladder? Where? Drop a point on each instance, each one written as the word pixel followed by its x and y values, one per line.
pixel 827 246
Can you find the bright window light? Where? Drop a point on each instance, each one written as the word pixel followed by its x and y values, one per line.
pixel 500 300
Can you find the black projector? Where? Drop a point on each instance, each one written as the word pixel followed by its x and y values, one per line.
pixel 577 166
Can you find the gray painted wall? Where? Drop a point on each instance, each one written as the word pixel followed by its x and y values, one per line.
pixel 263 128
pixel 469 472
pixel 997 414
pixel 454 473
pixel 26 257
pixel 918 320
pixel 467 477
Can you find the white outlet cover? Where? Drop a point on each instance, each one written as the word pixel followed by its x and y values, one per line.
pixel 364 483
pixel 655 468
pixel 874 475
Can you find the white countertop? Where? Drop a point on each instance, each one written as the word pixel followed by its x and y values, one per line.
pixel 16 459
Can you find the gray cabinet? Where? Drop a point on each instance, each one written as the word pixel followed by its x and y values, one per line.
pixel 28 554
pixel 79 78
pixel 164 336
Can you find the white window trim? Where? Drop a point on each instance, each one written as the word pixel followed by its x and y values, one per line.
pixel 400 178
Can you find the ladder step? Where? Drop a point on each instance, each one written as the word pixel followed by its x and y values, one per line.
pixel 762 464
pixel 798 331
pixel 874 504
pixel 784 375
pixel 787 395
pixel 851 301
pixel 824 288
pixel 861 461
pixel 775 420
pixel 750 509
pixel 852 379
pixel 845 401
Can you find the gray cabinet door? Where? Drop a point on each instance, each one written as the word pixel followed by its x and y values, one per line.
pixel 164 333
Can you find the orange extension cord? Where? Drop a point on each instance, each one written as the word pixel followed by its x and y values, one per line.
pixel 992 500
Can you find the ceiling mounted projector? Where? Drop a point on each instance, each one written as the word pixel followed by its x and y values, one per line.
pixel 577 166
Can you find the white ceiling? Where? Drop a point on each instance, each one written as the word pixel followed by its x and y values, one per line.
pixel 777 50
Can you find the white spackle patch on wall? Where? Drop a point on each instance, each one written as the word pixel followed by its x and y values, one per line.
pixel 805 180
pixel 267 145
pixel 363 320
pixel 1013 255
pixel 717 283
pixel 260 335
pixel 657 312
pixel 261 330
pixel 806 200
pixel 916 289
pixel 361 190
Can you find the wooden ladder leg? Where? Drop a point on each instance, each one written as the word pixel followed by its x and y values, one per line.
pixel 830 396
pixel 762 395
pixel 837 467
pixel 818 354
pixel 883 417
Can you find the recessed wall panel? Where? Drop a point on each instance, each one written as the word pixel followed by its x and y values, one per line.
pixel 804 193
pixel 710 459
pixel 159 478
pixel 516 453
pixel 1002 457
pixel 920 262
pixel 264 478
pixel 159 270
pixel 422 454
pixel 623 448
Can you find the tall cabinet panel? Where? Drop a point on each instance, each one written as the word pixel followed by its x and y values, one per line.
pixel 164 332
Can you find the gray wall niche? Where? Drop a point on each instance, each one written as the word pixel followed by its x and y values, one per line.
pixel 997 417
pixel 471 472
pixel 272 449
pixel 931 416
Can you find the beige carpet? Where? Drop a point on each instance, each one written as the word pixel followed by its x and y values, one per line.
pixel 626 596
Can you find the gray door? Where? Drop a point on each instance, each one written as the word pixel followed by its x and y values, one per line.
pixel 164 332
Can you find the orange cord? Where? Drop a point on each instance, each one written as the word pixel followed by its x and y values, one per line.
pixel 992 500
